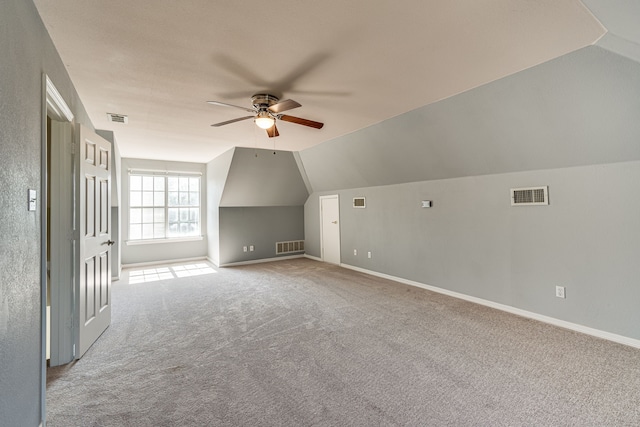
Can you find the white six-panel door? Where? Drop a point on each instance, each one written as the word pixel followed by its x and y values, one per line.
pixel 93 281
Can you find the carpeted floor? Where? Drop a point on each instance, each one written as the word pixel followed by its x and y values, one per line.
pixel 302 343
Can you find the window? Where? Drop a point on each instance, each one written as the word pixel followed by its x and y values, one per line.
pixel 163 207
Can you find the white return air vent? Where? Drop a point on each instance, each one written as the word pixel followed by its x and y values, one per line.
pixel 530 196
pixel 359 202
pixel 118 118
pixel 289 247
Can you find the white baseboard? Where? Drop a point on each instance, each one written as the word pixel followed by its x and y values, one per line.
pixel 212 262
pixel 315 258
pixel 631 342
pixel 165 262
pixel 260 261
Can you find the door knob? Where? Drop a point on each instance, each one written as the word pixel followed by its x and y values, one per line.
pixel 334 222
pixel 109 242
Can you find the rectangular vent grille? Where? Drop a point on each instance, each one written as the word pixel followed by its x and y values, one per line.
pixel 118 118
pixel 359 202
pixel 530 196
pixel 289 247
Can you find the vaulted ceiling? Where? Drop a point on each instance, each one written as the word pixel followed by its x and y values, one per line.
pixel 350 64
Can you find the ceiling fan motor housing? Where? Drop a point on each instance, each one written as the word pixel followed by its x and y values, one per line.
pixel 262 101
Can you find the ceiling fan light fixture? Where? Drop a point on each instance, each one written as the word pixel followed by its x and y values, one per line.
pixel 264 120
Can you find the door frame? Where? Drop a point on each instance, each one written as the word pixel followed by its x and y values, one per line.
pixel 55 107
pixel 331 196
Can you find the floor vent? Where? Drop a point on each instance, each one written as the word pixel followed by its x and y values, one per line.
pixel 117 118
pixel 289 247
pixel 530 196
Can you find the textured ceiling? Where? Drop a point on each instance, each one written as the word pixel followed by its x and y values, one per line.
pixel 350 64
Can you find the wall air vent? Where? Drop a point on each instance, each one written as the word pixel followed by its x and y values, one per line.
pixel 117 118
pixel 359 202
pixel 289 247
pixel 530 196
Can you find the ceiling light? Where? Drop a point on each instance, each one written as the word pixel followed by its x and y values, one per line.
pixel 264 120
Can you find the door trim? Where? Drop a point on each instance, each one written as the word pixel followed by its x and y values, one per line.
pixel 54 106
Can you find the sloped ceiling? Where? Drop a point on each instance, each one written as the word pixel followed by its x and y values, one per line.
pixel 350 64
pixel 579 109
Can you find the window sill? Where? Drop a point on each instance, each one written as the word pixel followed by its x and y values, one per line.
pixel 154 241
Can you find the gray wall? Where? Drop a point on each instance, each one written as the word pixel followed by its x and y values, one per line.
pixel 217 171
pixel 27 52
pixel 256 198
pixel 570 123
pixel 261 227
pixel 473 242
pixel 152 252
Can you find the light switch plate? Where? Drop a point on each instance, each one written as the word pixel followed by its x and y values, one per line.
pixel 32 198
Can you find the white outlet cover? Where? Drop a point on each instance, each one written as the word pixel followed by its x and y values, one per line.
pixel 560 292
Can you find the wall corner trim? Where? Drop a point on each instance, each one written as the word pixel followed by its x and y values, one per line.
pixel 631 342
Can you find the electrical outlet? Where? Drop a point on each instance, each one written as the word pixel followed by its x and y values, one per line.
pixel 251 248
pixel 368 254
pixel 244 248
pixel 560 292
pixel 355 252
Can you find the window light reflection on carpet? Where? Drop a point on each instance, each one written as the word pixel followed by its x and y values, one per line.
pixel 162 273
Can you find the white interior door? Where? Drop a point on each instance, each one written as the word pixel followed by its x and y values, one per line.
pixel 330 228
pixel 93 295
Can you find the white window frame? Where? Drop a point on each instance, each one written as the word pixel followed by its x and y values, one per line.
pixel 165 206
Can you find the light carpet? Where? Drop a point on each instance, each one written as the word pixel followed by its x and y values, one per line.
pixel 303 343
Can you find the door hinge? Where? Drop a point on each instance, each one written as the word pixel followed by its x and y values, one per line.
pixel 72 148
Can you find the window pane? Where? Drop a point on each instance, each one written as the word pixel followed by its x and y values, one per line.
pixel 173 215
pixel 135 198
pixel 135 232
pixel 135 216
pixel 194 199
pixel 194 184
pixel 173 230
pixel 158 183
pixel 147 198
pixel 193 229
pixel 135 183
pixel 158 198
pixel 147 183
pixel 173 198
pixel 183 183
pixel 147 215
pixel 172 183
pixel 158 215
pixel 158 230
pixel 147 231
pixel 150 218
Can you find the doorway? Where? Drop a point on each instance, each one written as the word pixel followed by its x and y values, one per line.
pixel 330 229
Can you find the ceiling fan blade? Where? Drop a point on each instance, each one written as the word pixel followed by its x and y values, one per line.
pixel 239 119
pixel 287 104
pixel 223 104
pixel 300 121
pixel 273 131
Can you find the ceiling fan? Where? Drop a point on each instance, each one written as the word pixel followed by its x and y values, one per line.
pixel 266 110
